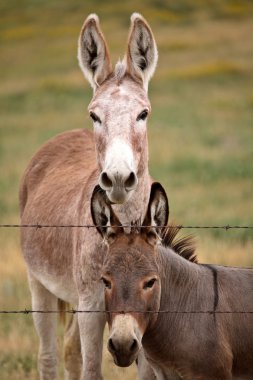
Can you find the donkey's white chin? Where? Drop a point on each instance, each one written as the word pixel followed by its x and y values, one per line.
pixel 119 197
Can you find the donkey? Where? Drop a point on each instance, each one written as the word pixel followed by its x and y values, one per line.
pixel 65 263
pixel 146 272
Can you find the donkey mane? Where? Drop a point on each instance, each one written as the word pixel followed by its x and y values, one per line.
pixel 120 71
pixel 184 246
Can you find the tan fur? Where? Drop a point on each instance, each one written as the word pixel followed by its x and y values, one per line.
pixel 72 350
pixel 65 263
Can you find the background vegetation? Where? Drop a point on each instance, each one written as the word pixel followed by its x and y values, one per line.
pixel 200 132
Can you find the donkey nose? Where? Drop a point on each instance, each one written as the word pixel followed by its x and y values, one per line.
pixel 131 181
pixel 117 347
pixel 105 181
pixel 109 180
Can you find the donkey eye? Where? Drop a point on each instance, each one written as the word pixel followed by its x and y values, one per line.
pixel 149 284
pixel 107 283
pixel 95 117
pixel 142 116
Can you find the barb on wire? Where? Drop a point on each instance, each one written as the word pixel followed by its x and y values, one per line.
pixel 39 226
pixel 74 311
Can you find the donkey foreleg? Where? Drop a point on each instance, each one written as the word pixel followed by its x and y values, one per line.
pixel 45 325
pixel 72 350
pixel 91 327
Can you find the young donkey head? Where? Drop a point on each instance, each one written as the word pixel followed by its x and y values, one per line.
pixel 120 105
pixel 130 272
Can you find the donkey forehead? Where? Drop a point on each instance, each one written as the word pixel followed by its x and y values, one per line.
pixel 112 95
pixel 130 255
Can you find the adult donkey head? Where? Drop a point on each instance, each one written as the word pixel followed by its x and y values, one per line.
pixel 120 105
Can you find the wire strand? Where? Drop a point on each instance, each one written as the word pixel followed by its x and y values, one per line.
pixel 74 311
pixel 39 226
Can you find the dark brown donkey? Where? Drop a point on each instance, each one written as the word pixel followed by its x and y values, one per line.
pixel 65 263
pixel 147 271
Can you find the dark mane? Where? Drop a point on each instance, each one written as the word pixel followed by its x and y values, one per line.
pixel 184 246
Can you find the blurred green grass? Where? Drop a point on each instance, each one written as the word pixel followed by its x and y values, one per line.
pixel 200 130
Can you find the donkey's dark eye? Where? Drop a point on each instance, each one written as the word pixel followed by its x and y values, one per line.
pixel 142 116
pixel 149 284
pixel 95 117
pixel 107 283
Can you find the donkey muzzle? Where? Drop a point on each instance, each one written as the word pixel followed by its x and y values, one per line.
pixel 124 352
pixel 124 342
pixel 118 187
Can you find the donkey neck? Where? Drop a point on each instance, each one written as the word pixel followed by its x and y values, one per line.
pixel 135 208
pixel 179 278
pixel 179 282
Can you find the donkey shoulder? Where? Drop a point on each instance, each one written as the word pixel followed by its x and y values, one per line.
pixel 68 157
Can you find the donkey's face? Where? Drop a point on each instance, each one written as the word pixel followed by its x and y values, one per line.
pixel 119 112
pixel 132 284
pixel 130 274
pixel 120 105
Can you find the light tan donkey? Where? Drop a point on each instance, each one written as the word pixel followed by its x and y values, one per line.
pixel 65 263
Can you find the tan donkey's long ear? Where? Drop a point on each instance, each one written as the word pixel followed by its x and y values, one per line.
pixel 142 54
pixel 157 213
pixel 106 222
pixel 93 53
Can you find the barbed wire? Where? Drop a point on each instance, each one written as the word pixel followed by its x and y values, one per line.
pixel 74 311
pixel 39 226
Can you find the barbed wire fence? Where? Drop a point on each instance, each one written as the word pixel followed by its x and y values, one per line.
pixel 74 311
pixel 38 226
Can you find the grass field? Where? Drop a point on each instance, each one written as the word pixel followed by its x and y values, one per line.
pixel 200 131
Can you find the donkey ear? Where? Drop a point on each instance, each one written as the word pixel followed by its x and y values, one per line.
pixel 157 213
pixel 103 217
pixel 93 54
pixel 142 52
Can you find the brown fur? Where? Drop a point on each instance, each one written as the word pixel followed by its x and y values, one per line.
pixel 204 328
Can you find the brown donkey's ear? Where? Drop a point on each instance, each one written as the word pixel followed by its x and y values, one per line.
pixel 93 53
pixel 157 213
pixel 106 222
pixel 142 52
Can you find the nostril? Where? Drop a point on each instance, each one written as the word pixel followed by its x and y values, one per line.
pixel 134 346
pixel 111 346
pixel 105 181
pixel 131 181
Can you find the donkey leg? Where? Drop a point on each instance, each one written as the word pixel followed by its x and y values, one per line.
pixel 72 350
pixel 91 327
pixel 45 325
